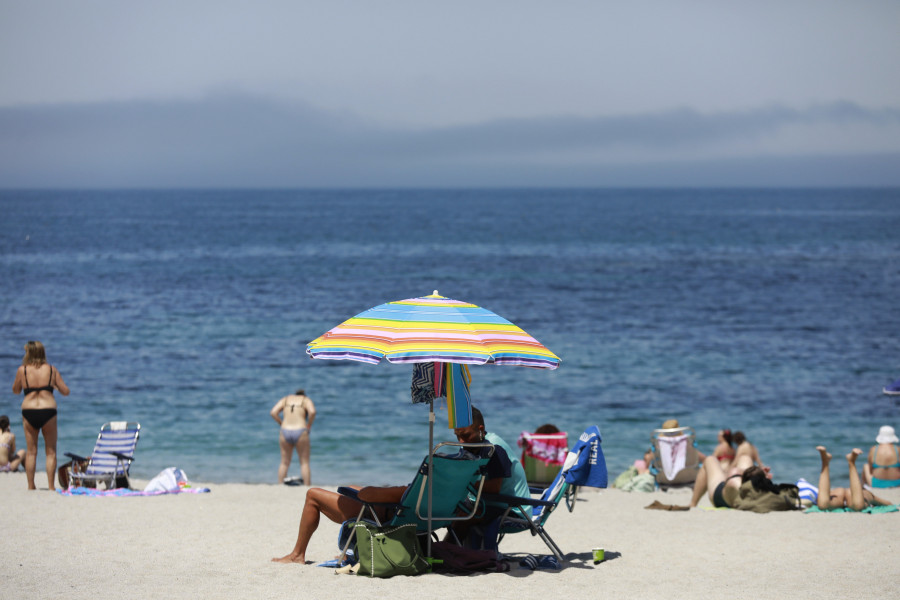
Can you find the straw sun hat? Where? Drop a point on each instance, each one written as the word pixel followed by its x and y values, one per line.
pixel 886 435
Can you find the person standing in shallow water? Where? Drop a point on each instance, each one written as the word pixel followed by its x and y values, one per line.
pixel 37 379
pixel 295 414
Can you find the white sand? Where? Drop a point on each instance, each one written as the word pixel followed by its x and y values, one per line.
pixel 218 545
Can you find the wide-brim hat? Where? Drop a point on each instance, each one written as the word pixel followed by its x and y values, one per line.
pixel 886 435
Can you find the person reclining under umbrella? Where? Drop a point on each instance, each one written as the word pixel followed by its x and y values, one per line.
pixel 338 508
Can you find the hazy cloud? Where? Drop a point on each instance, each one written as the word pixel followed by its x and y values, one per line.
pixel 242 140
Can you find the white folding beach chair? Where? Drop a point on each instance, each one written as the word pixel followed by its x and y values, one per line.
pixel 676 460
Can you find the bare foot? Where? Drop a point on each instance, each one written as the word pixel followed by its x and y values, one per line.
pixel 826 457
pixel 851 458
pixel 290 558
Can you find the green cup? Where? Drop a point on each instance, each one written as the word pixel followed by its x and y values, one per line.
pixel 599 555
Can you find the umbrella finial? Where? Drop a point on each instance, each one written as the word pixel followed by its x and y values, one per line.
pixel 435 293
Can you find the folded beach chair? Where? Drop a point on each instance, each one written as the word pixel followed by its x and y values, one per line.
pixel 454 477
pixel 111 459
pixel 584 466
pixel 675 457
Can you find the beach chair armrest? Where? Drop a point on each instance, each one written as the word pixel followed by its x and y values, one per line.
pixel 121 456
pixel 353 494
pixel 515 500
pixel 76 457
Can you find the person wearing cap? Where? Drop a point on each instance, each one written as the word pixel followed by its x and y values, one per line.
pixel 882 470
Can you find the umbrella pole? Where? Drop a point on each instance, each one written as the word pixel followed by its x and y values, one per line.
pixel 430 469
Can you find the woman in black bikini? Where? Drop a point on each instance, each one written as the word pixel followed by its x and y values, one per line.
pixel 39 408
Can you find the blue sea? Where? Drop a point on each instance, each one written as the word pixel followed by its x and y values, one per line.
pixel 771 311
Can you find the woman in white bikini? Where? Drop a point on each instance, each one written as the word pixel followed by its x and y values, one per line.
pixel 295 414
pixel 37 379
pixel 10 458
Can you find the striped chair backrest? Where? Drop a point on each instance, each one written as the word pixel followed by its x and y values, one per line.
pixel 118 436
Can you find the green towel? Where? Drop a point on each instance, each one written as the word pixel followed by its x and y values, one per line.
pixel 869 509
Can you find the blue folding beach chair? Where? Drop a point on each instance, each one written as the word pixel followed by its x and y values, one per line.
pixel 455 477
pixel 111 459
pixel 584 466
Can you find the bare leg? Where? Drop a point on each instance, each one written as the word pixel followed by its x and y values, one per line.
pixel 824 500
pixel 867 474
pixel 857 502
pixel 50 434
pixel 335 507
pixel 286 452
pixel 31 440
pixel 699 486
pixel 303 454
pixel 17 460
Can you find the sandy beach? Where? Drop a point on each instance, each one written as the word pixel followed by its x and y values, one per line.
pixel 219 545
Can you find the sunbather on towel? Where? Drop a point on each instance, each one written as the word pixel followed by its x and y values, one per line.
pixel 339 508
pixel 855 498
pixel 713 479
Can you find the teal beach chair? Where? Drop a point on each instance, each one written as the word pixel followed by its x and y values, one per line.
pixel 454 478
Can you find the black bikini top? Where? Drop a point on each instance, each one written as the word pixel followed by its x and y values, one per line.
pixel 46 388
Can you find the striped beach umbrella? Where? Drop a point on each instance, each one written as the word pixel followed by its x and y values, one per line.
pixel 432 329
pixel 439 330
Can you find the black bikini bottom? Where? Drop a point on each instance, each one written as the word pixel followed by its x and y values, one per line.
pixel 38 417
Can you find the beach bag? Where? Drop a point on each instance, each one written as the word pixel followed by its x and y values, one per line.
pixel 450 558
pixel 389 551
pixel 776 497
pixel 168 480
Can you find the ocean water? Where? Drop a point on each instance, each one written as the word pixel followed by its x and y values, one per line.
pixel 774 312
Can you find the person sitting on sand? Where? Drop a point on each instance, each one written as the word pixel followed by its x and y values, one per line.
pixel 724 450
pixel 855 498
pixel 10 458
pixel 882 469
pixel 338 508
pixel 745 448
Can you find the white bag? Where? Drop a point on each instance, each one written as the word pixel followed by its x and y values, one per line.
pixel 168 480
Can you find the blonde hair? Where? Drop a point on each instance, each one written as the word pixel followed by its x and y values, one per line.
pixel 34 354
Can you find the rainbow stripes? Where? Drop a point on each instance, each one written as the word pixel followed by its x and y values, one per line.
pixel 432 328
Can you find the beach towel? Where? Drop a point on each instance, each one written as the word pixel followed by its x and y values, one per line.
pixel 587 468
pixel 672 454
pixel 422 387
pixel 869 509
pixel 808 491
pixel 444 380
pixel 456 390
pixel 121 492
pixel 551 448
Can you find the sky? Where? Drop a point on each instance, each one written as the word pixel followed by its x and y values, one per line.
pixel 414 93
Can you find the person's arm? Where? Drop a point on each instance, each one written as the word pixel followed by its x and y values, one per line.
pixel 60 384
pixel 17 382
pixel 276 410
pixel 310 413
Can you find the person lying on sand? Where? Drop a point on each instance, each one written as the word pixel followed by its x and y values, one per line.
pixel 855 498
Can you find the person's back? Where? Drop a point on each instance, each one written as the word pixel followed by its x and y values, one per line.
pixel 517 483
pixel 883 467
pixel 294 411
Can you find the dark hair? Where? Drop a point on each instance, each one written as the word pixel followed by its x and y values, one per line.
pixel 739 437
pixel 477 417
pixel 4 422
pixel 547 428
pixel 300 392
pixel 726 433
